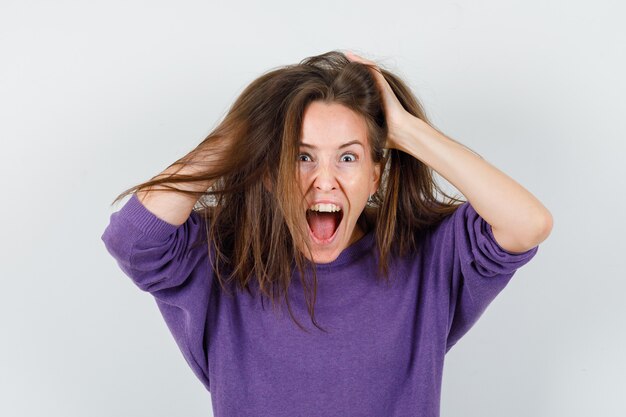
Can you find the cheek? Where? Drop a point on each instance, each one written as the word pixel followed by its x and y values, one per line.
pixel 353 182
pixel 303 178
pixel 356 185
pixel 362 178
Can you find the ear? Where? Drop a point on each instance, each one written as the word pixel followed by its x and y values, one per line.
pixel 375 178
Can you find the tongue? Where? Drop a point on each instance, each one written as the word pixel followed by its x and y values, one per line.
pixel 322 224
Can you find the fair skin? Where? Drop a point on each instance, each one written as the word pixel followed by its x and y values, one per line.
pixel 335 165
pixel 518 219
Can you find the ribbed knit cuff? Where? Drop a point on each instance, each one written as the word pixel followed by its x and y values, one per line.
pixel 143 219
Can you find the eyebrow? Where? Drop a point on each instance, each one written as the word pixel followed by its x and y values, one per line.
pixel 345 145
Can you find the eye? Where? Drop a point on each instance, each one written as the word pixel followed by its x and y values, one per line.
pixel 351 157
pixel 303 155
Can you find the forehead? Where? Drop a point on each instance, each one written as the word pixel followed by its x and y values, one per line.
pixel 331 125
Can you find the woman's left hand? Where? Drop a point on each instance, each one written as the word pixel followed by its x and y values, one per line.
pixel 397 117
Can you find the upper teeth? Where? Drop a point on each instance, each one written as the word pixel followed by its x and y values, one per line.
pixel 325 207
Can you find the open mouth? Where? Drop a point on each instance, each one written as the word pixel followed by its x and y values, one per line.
pixel 323 225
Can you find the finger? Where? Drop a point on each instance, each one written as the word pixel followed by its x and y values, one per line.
pixel 377 74
pixel 354 57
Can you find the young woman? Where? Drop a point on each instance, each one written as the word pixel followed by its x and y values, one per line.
pixel 317 190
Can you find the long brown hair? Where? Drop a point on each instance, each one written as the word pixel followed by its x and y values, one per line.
pixel 254 208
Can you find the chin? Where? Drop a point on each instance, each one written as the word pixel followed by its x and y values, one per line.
pixel 323 257
pixel 324 252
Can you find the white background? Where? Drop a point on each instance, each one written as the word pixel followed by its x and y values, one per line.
pixel 97 96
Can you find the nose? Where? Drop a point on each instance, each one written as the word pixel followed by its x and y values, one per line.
pixel 325 178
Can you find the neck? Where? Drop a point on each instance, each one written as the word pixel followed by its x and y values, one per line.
pixel 357 234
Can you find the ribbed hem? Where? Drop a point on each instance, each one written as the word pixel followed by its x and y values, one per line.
pixel 135 213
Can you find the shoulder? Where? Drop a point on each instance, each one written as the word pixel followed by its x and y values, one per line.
pixel 443 221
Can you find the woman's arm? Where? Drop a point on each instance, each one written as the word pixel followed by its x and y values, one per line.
pixel 172 206
pixel 518 219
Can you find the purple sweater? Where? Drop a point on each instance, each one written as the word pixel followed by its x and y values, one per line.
pixel 384 353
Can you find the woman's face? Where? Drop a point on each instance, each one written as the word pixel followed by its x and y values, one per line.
pixel 336 173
